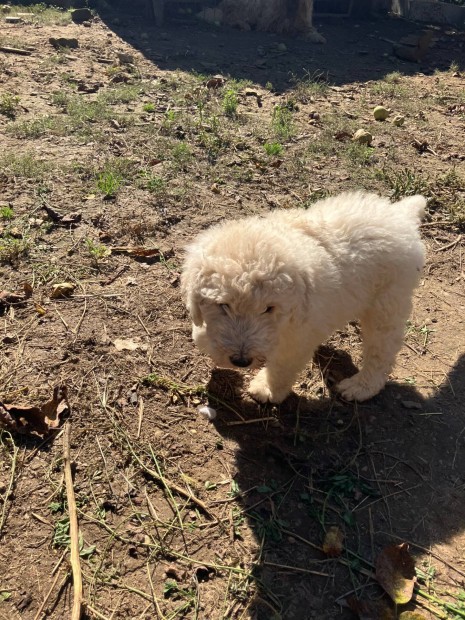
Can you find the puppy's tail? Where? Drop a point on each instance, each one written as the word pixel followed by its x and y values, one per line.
pixel 414 206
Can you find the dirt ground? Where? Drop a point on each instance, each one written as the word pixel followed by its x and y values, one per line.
pixel 181 517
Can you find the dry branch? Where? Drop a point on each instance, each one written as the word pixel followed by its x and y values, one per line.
pixel 14 50
pixel 73 527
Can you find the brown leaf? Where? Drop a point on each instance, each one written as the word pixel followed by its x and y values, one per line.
pixel 334 542
pixel 62 289
pixel 370 610
pixel 395 572
pixel 39 309
pixel 7 298
pixel 140 252
pixel 26 419
pixel 276 163
pixel 71 219
pixel 28 290
pixel 126 344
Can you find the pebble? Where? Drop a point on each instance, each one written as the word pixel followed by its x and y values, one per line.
pixel 207 412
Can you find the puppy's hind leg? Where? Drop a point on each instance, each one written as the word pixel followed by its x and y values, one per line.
pixel 383 334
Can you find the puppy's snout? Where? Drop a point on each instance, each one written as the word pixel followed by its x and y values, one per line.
pixel 240 361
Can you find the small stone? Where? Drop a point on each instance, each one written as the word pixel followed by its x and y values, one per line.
pixel 63 42
pixel 281 47
pixel 380 113
pixel 125 59
pixel 411 404
pixel 362 136
pixel 207 412
pixel 13 19
pixel 79 16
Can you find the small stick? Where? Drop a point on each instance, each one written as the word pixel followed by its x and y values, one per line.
pixel 114 277
pixel 171 486
pixel 296 569
pixel 96 613
pixel 141 414
pixel 73 526
pixel 78 326
pixel 253 421
pixel 452 244
pixel 47 596
pixel 14 462
pixel 15 50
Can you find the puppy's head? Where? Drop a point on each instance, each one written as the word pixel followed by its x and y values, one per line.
pixel 240 293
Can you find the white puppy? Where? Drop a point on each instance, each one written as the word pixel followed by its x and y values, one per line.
pixel 282 16
pixel 264 292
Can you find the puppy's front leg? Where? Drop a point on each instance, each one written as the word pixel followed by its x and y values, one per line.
pixel 274 382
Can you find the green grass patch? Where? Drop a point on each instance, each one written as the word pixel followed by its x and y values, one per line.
pixel 230 103
pixel 282 122
pixel 273 149
pixel 26 166
pixel 9 105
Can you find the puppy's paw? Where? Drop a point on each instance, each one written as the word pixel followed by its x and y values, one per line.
pixel 260 391
pixel 314 36
pixel 360 387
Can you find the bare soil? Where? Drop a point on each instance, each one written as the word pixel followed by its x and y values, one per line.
pixel 181 517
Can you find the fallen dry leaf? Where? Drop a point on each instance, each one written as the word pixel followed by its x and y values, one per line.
pixel 7 298
pixel 39 309
pixel 370 610
pixel 122 344
pixel 140 252
pixel 27 419
pixel 395 572
pixel 334 542
pixel 28 290
pixel 61 290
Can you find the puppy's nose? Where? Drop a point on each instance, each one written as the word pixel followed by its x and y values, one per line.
pixel 240 361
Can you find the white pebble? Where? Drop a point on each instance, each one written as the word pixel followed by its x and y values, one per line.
pixel 207 412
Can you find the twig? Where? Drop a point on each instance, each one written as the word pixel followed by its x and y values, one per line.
pixel 141 414
pixel 78 326
pixel 115 276
pixel 171 486
pixel 155 600
pixel 253 421
pixel 452 244
pixel 73 526
pixel 143 325
pixel 47 596
pixel 11 482
pixel 296 569
pixel 96 613
pixel 15 50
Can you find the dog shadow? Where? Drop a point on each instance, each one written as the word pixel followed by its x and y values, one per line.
pixel 384 471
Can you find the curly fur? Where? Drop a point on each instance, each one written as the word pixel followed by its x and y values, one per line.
pixel 268 290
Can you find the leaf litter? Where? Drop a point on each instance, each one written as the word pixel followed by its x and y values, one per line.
pixel 31 419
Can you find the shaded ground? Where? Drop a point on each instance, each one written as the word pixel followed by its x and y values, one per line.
pixel 143 153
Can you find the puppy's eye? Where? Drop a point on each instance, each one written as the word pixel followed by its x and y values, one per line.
pixel 224 308
pixel 269 310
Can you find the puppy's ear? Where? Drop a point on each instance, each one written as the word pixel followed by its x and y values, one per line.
pixel 194 310
pixel 190 295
